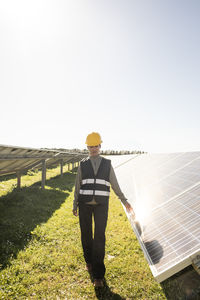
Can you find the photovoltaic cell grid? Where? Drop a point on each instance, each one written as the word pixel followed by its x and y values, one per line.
pixel 164 190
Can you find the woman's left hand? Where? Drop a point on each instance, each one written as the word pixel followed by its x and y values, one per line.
pixel 129 209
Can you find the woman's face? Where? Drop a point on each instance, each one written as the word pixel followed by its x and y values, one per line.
pixel 94 150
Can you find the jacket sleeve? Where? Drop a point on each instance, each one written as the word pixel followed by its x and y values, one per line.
pixel 115 186
pixel 77 188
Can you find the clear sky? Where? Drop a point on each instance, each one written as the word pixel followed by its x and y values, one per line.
pixel 128 69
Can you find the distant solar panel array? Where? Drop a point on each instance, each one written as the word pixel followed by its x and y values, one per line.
pixel 18 159
pixel 164 190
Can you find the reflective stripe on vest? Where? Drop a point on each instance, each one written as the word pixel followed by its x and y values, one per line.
pixel 102 181
pixel 98 181
pixel 85 181
pixel 96 193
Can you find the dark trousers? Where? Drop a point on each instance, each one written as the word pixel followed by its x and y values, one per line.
pixel 94 246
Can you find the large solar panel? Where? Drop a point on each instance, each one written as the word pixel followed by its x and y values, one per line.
pixel 118 160
pixel 14 159
pixel 164 190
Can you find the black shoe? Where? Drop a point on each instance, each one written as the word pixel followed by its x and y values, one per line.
pixel 98 283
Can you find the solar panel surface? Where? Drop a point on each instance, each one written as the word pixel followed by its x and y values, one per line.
pixel 164 190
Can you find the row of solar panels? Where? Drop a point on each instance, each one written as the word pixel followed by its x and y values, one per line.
pixel 18 159
pixel 164 190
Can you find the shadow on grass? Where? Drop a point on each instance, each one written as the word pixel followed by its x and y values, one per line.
pixel 65 182
pixel 10 176
pixel 22 210
pixel 106 293
pixel 185 285
pixel 74 170
pixel 36 170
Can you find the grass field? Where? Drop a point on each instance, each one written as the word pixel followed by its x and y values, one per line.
pixel 40 251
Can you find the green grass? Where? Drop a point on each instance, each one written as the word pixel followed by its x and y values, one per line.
pixel 40 250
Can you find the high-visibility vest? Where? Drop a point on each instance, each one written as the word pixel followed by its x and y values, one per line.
pixel 95 186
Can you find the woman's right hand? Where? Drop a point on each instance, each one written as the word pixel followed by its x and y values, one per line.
pixel 75 212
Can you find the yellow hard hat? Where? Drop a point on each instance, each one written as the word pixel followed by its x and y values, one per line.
pixel 93 139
